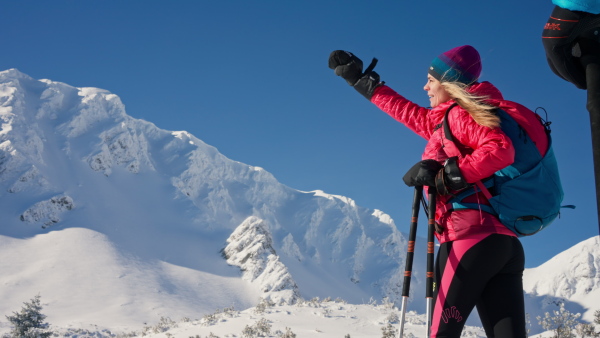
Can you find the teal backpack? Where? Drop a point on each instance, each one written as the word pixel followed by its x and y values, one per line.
pixel 526 196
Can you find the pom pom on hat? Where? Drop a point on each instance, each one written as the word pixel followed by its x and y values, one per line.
pixel 460 64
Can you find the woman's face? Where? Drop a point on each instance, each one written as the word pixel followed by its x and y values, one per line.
pixel 437 94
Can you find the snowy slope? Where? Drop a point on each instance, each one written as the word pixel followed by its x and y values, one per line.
pixel 313 318
pixel 572 276
pixel 83 279
pixel 92 197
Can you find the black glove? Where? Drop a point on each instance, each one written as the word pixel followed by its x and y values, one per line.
pixel 422 173
pixel 346 65
pixel 561 34
pixel 450 180
pixel 349 67
pixel 367 84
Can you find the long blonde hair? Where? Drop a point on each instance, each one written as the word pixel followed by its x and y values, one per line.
pixel 481 112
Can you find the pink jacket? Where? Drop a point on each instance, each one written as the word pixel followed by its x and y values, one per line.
pixel 490 150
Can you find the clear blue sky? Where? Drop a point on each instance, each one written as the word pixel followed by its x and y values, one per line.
pixel 251 79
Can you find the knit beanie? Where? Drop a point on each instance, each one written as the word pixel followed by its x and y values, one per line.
pixel 460 64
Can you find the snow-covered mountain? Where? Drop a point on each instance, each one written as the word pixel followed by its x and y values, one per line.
pixel 94 202
pixel 117 223
pixel 573 276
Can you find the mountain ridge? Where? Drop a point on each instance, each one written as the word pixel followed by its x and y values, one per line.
pixel 72 158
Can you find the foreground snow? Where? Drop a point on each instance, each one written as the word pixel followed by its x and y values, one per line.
pixel 308 319
pixel 313 318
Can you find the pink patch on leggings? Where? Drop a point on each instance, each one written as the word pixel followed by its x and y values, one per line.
pixel 459 248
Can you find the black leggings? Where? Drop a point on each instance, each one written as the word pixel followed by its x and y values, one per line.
pixel 487 272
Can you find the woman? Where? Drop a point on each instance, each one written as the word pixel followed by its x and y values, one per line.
pixel 480 262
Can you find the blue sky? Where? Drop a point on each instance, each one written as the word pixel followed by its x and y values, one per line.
pixel 251 79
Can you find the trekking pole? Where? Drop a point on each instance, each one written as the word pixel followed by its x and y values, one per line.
pixel 412 235
pixel 591 62
pixel 431 195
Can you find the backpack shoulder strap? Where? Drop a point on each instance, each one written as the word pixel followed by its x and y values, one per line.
pixel 446 125
pixel 448 134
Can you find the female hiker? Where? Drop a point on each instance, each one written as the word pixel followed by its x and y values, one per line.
pixel 480 262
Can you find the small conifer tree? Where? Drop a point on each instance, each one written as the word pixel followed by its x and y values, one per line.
pixel 29 322
pixel 389 331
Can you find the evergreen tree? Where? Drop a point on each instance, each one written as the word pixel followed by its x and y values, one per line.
pixel 29 322
pixel 389 331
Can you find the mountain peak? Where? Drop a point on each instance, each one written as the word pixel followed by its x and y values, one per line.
pixel 72 158
pixel 11 74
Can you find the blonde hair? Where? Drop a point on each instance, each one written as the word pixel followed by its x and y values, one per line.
pixel 481 112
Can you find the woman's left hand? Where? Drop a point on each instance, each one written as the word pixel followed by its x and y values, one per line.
pixel 422 173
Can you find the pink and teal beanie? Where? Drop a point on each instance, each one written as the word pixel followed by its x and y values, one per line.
pixel 460 64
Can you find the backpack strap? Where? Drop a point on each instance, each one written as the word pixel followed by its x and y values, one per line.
pixel 480 185
pixel 446 126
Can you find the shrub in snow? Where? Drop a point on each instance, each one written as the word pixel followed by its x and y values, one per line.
pixel 389 331
pixel 29 322
pixel 213 318
pixel 263 305
pixel 262 328
pixel 209 319
pixel 163 325
pixel 229 312
pixel 585 330
pixel 287 334
pixel 386 303
pixel 315 302
pixel 392 318
pixel 211 335
pixel 561 322
pixel 414 319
